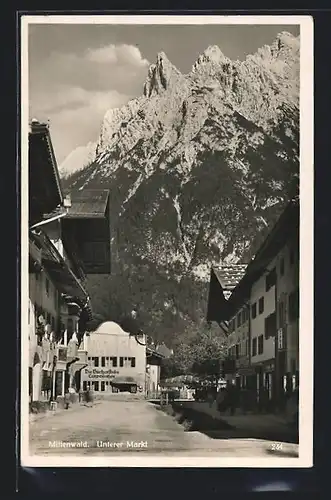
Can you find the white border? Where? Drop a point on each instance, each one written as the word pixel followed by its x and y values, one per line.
pixel 306 247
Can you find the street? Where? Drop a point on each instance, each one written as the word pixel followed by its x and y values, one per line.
pixel 130 424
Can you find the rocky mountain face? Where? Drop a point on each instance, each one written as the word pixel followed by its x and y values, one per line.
pixel 199 168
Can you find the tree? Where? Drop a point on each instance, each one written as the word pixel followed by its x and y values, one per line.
pixel 200 351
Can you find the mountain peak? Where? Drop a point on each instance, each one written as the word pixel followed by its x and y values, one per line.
pixel 162 58
pixel 161 75
pixel 214 53
pixel 285 41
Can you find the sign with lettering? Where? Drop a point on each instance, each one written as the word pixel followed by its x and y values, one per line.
pixel 101 373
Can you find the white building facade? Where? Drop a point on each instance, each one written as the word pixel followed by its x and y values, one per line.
pixel 114 355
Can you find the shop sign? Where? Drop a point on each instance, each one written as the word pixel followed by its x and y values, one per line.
pixel 100 373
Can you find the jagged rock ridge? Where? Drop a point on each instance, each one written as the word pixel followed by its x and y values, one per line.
pixel 198 165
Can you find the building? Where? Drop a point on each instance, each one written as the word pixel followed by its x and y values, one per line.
pixel 263 309
pixel 86 229
pixel 114 354
pixel 223 280
pixel 59 304
pixel 154 358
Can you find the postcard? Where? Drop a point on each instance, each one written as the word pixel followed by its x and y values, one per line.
pixel 167 240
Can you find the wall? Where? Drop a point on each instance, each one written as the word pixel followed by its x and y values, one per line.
pixel 240 335
pixel 154 377
pixel 38 295
pixel 258 324
pixel 288 282
pixel 114 345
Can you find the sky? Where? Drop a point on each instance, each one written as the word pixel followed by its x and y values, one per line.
pixel 77 72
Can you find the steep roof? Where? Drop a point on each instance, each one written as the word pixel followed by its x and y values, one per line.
pixel 45 192
pixel 89 203
pixel 285 229
pixel 229 275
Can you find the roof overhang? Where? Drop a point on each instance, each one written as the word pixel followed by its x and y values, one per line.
pixel 217 308
pixel 45 192
pixel 153 357
pixel 60 273
pixel 86 230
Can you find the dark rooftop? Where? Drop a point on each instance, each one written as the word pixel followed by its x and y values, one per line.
pixel 229 275
pixel 88 203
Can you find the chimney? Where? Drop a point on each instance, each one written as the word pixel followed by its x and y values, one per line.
pixel 67 201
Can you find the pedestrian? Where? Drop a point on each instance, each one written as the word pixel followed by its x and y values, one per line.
pixel 89 396
pixel 221 399
pixel 232 398
pixel 66 401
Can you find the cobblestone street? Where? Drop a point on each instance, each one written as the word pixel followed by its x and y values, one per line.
pixel 127 424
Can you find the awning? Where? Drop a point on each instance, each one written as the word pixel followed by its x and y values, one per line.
pixel 122 380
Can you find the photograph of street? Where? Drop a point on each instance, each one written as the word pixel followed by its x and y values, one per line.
pixel 164 227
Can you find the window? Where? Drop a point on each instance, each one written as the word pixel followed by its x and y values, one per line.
pixel 261 305
pixel 270 279
pixel 121 362
pixel 254 310
pixel 133 362
pixel 47 285
pixel 96 386
pixel 103 362
pixel 282 266
pixel 260 344
pixel 293 305
pixel 84 385
pixel 270 325
pixel 102 386
pixel 114 360
pixel 96 361
pixel 254 346
pixel 247 347
pixel 53 323
pixel 237 351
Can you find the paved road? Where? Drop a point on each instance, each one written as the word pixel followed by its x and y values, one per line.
pixel 124 425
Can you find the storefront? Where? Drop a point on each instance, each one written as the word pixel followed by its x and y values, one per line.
pixel 265 382
pixel 113 354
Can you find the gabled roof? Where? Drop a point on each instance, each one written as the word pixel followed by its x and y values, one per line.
pixel 89 203
pixel 229 275
pixel 286 228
